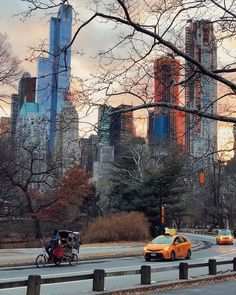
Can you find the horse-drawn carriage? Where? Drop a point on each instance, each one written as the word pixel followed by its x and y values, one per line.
pixel 66 251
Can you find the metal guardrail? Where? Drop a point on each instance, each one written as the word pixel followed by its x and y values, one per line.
pixel 198 231
pixel 34 282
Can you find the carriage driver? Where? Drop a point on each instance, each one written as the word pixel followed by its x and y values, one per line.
pixel 53 243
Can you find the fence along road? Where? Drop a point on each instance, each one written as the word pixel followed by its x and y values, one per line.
pixel 34 282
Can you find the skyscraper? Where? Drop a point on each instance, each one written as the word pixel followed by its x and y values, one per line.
pixel 54 70
pixel 104 122
pixel 201 91
pixel 26 88
pixel 31 139
pixel 67 137
pixel 26 93
pixel 166 126
pixel 122 129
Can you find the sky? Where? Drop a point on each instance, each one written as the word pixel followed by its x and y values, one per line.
pixel 26 33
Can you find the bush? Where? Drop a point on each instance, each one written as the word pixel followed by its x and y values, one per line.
pixel 131 226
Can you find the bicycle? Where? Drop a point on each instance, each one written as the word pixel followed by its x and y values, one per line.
pixel 58 256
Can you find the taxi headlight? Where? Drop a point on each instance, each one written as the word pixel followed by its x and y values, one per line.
pixel 166 248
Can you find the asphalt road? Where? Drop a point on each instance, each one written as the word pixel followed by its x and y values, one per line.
pixel 29 254
pixel 209 250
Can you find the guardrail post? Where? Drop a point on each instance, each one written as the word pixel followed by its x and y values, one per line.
pixel 212 267
pixel 234 264
pixel 98 279
pixel 145 275
pixel 183 271
pixel 34 283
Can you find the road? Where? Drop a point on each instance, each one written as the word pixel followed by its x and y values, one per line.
pixel 210 250
pixel 88 251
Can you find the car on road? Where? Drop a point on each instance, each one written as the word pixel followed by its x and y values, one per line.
pixel 224 236
pixel 168 247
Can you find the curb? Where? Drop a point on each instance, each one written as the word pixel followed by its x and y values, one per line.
pixel 174 285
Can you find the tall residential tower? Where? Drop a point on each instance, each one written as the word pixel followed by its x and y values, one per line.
pixel 166 126
pixel 54 70
pixel 201 91
pixel 26 94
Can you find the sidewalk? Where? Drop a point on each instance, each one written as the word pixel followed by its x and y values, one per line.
pixel 208 285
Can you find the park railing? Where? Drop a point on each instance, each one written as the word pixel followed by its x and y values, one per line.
pixel 34 282
pixel 202 231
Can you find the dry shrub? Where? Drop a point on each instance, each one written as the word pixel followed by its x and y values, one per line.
pixel 131 226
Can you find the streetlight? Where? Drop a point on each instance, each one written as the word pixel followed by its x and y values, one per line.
pixel 161 212
pixel 201 177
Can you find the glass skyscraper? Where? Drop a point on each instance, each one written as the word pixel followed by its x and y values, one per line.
pixel 54 70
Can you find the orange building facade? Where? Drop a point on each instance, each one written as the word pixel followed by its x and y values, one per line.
pixel 168 125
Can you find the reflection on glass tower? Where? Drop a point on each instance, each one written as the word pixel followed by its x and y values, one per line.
pixel 166 127
pixel 54 70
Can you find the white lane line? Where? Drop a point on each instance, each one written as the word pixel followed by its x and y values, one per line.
pixel 14 279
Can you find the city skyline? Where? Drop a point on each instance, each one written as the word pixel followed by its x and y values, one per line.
pixel 44 34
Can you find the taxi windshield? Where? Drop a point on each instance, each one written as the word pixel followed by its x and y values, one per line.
pixel 225 233
pixel 162 240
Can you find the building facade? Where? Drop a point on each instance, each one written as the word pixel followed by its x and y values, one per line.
pixel 166 126
pixel 104 123
pixel 122 130
pixel 54 70
pixel 201 90
pixel 26 93
pixel 4 127
pixel 115 130
pixel 67 149
pixel 26 88
pixel 31 138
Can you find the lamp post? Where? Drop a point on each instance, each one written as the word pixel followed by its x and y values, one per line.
pixel 161 211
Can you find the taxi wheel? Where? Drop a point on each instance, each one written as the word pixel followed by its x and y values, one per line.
pixel 172 256
pixel 188 256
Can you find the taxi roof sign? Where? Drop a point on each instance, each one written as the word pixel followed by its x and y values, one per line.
pixel 170 231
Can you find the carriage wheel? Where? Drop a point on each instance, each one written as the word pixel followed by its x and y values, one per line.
pixel 41 260
pixel 57 261
pixel 73 259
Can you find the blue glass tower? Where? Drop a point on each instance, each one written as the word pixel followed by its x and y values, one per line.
pixel 54 71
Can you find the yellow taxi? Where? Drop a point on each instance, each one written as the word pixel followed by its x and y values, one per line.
pixel 168 247
pixel 224 236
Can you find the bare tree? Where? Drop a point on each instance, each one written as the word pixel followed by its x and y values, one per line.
pixel 143 32
pixel 214 201
pixel 29 179
pixel 10 65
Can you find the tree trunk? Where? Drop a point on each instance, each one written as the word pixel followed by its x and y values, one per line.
pixel 37 229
